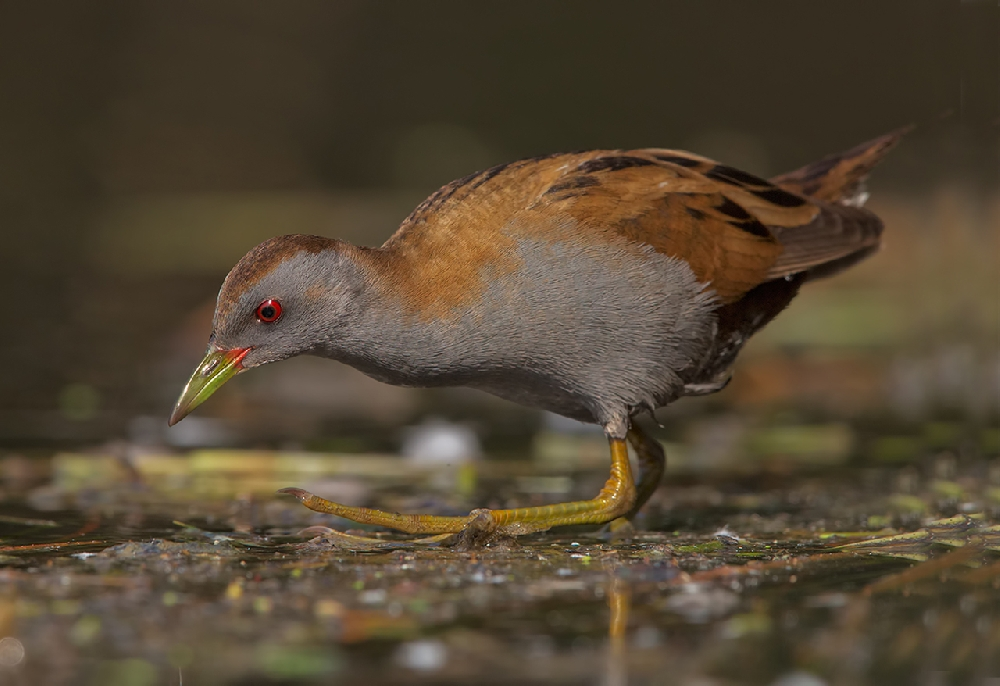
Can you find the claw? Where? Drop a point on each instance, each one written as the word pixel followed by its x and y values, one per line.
pixel 299 493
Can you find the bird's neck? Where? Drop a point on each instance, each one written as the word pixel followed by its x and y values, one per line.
pixel 384 336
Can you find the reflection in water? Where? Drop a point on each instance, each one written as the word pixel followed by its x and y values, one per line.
pixel 619 600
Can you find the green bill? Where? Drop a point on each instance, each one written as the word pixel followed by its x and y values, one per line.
pixel 218 367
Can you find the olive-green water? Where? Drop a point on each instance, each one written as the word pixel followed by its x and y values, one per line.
pixel 127 567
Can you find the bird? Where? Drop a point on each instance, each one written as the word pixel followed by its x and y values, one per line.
pixel 598 285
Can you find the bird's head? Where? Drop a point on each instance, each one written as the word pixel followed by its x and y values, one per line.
pixel 284 298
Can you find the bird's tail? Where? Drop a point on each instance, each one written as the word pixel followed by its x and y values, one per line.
pixel 840 178
pixel 844 233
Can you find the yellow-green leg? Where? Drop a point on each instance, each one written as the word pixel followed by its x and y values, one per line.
pixel 616 499
pixel 652 463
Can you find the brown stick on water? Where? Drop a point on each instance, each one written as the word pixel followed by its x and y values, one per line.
pixel 924 570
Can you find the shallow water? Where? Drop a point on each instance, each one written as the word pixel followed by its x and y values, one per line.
pixel 129 567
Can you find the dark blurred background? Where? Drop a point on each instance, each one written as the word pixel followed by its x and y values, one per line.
pixel 146 146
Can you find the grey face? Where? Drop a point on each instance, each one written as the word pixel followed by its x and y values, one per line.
pixel 311 295
pixel 293 308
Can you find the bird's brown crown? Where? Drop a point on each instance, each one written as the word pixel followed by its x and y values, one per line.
pixel 264 259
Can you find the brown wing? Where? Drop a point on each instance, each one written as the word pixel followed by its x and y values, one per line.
pixel 718 219
pixel 436 257
pixel 734 229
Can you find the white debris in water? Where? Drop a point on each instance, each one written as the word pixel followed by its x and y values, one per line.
pixel 799 679
pixel 440 442
pixel 424 655
pixel 372 596
pixel 726 536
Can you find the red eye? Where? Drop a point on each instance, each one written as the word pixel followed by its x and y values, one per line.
pixel 269 311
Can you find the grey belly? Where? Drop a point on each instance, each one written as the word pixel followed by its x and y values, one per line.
pixel 591 334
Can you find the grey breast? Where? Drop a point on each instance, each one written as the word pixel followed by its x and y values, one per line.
pixel 590 332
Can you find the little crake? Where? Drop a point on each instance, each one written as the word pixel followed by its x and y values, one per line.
pixel 597 285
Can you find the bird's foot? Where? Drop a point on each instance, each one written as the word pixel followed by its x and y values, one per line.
pixel 620 530
pixel 482 531
pixel 410 524
pixel 615 501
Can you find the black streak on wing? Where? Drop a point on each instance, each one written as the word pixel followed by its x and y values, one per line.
pixel 613 163
pixel 576 183
pixel 731 209
pixel 679 161
pixel 743 219
pixel 480 179
pixel 733 176
pixel 779 197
